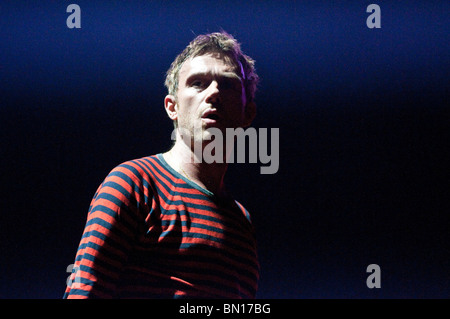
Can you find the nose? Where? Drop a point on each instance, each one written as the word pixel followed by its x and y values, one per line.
pixel 213 93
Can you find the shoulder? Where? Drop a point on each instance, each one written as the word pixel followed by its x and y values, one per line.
pixel 135 171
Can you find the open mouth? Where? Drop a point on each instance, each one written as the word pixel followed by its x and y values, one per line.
pixel 211 115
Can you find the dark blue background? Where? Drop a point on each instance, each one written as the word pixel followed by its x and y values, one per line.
pixel 364 137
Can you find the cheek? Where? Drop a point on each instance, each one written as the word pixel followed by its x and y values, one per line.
pixel 184 104
pixel 236 104
pixel 235 116
pixel 187 108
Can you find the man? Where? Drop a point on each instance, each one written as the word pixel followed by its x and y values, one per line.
pixel 165 226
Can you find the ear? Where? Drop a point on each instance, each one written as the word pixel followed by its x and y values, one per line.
pixel 249 114
pixel 170 104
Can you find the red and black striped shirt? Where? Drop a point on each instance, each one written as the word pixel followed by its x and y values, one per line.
pixel 151 233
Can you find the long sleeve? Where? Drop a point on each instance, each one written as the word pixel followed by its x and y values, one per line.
pixel 150 233
pixel 112 223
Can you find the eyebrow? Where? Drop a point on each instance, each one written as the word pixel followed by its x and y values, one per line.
pixel 229 74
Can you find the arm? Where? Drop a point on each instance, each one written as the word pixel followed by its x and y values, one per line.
pixel 109 233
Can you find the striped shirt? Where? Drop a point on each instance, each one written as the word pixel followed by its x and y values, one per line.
pixel 151 233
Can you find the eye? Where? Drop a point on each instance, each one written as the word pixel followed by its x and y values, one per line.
pixel 232 84
pixel 198 83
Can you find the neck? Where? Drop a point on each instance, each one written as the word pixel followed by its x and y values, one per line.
pixel 207 175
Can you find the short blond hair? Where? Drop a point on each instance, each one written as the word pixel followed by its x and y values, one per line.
pixel 218 42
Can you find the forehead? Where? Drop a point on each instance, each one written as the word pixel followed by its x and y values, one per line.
pixel 211 63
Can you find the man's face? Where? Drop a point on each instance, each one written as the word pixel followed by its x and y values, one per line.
pixel 210 94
